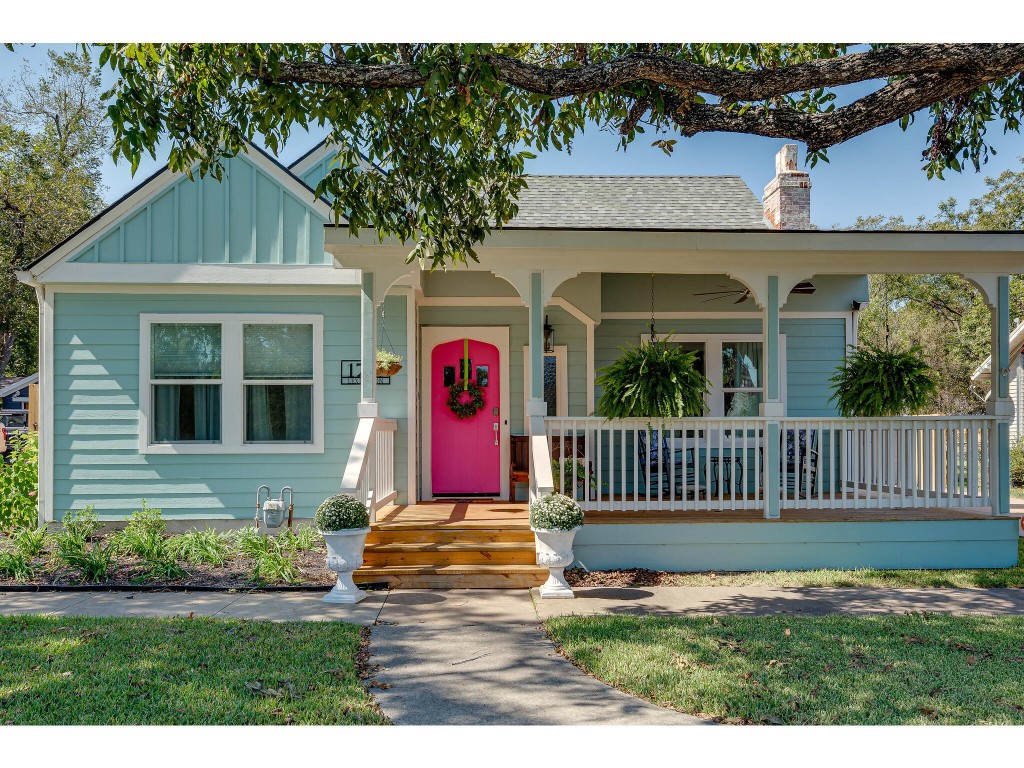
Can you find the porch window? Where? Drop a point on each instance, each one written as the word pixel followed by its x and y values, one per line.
pixel 186 372
pixel 277 365
pixel 223 383
pixel 555 380
pixel 734 365
pixel 742 386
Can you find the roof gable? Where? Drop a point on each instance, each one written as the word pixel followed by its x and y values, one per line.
pixel 258 214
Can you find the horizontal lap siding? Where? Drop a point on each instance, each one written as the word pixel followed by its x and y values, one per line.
pixel 96 396
pixel 814 347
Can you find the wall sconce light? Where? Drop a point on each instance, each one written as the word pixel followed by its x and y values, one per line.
pixel 549 336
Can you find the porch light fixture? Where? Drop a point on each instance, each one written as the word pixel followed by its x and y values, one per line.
pixel 549 336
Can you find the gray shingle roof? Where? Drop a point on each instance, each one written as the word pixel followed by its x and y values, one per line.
pixel 638 202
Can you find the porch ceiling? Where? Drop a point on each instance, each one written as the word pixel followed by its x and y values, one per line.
pixel 714 251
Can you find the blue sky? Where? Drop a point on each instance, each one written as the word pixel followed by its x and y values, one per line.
pixel 877 173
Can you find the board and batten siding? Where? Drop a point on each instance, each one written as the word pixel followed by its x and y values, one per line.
pixel 248 218
pixel 96 399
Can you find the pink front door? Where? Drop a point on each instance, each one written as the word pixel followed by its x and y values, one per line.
pixel 465 454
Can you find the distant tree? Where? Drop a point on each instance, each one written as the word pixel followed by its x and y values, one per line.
pixel 53 137
pixel 453 124
pixel 944 314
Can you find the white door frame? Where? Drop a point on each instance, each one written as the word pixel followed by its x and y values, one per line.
pixel 430 337
pixel 560 354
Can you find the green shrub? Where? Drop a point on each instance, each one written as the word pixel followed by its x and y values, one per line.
pixel 555 512
pixel 341 512
pixel 873 382
pixel 161 571
pixel 14 565
pixel 1017 464
pixel 205 546
pixel 656 379
pixel 248 541
pixel 19 483
pixel 576 467
pixel 30 542
pixel 143 536
pixel 273 565
pixel 93 563
pixel 302 539
pixel 80 524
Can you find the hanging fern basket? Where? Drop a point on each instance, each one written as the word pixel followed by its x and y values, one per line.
pixel 656 379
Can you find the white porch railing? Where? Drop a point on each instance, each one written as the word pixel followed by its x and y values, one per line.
pixel 370 472
pixel 719 464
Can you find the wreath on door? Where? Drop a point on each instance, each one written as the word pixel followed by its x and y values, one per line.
pixel 462 408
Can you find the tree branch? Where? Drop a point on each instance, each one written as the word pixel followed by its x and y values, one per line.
pixel 990 61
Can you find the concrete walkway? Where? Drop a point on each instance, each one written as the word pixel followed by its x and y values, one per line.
pixel 461 657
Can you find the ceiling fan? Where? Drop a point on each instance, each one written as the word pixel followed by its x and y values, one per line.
pixel 744 293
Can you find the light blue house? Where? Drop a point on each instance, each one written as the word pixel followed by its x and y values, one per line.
pixel 200 339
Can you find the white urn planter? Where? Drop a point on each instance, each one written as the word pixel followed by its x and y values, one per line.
pixel 344 555
pixel 554 552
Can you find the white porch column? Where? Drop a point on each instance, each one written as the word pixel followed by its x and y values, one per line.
pixel 1000 404
pixel 536 406
pixel 772 407
pixel 368 348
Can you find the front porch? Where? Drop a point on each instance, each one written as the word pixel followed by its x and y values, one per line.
pixel 682 494
pixel 489 544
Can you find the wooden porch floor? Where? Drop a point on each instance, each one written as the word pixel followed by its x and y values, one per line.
pixel 512 515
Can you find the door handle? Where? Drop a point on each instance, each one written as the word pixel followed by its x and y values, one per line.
pixel 495 433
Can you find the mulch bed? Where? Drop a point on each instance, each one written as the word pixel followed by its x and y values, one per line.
pixel 632 577
pixel 236 573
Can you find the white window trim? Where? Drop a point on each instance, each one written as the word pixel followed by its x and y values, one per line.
pixel 713 362
pixel 561 355
pixel 232 394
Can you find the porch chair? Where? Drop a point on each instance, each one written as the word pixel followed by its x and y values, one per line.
pixel 655 460
pixel 808 469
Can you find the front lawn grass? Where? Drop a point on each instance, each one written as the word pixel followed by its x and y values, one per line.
pixel 202 671
pixel 834 670
pixel 823 577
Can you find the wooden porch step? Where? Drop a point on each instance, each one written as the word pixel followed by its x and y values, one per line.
pixel 450 553
pixel 448 535
pixel 454 576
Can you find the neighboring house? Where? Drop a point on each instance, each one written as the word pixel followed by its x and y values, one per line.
pixel 983 376
pixel 200 339
pixel 14 400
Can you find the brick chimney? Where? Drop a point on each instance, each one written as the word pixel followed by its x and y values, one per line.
pixel 787 198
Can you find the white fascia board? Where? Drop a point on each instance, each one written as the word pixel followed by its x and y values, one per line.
pixel 712 252
pixel 107 221
pixel 200 274
pixel 323 151
pixel 292 183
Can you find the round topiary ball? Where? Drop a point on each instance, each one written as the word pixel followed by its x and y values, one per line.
pixel 341 512
pixel 555 512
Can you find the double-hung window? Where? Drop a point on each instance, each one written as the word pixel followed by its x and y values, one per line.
pixel 734 365
pixel 185 360
pixel 277 371
pixel 231 383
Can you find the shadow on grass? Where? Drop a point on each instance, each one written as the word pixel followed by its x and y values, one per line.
pixel 89 671
pixel 914 669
